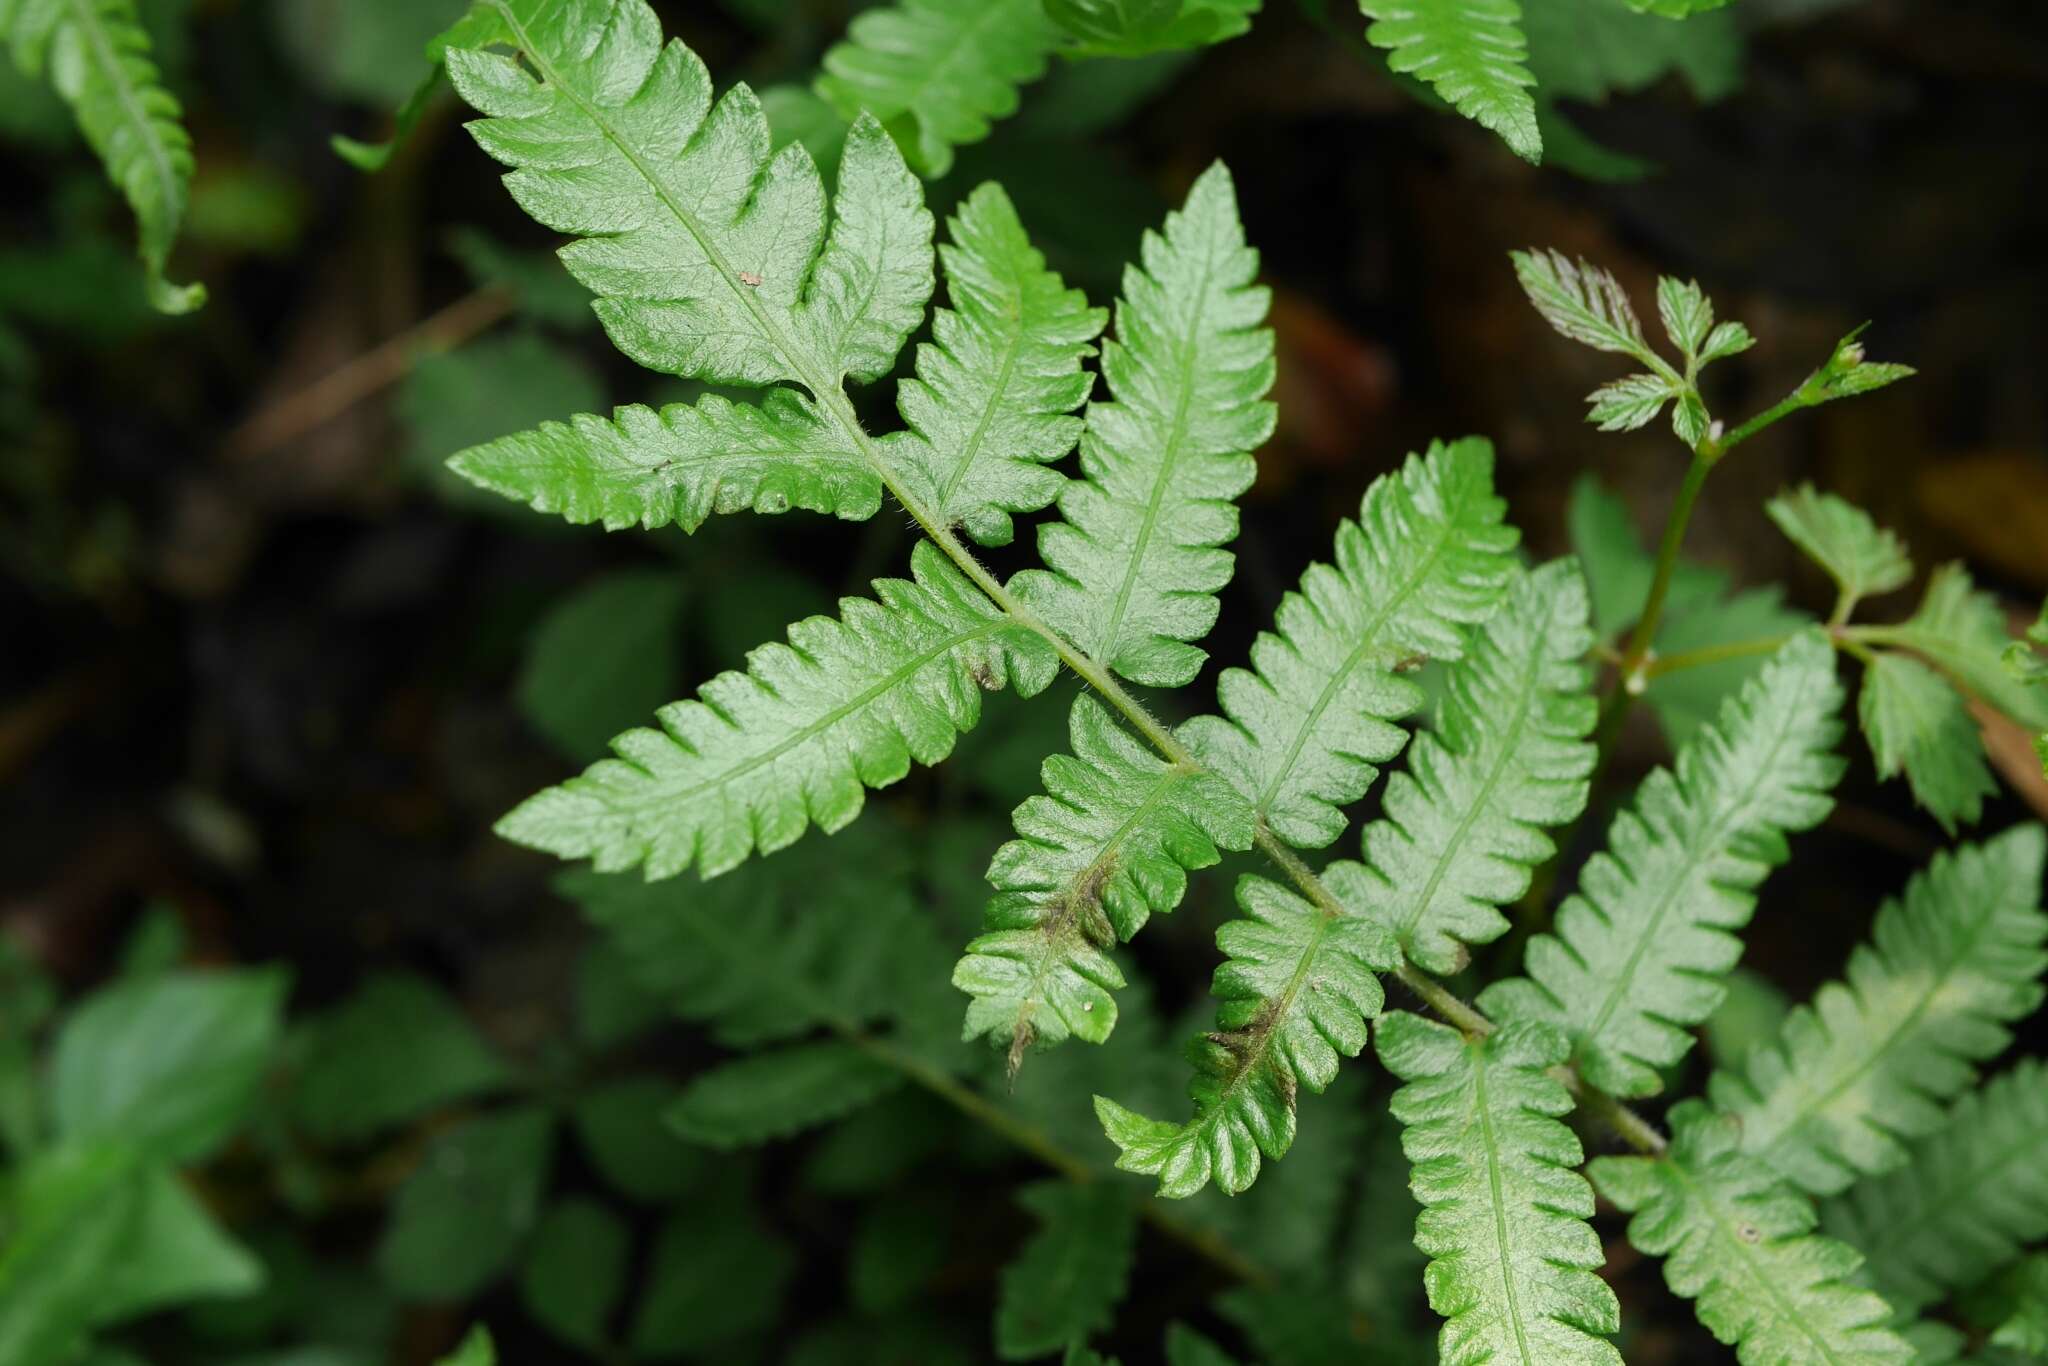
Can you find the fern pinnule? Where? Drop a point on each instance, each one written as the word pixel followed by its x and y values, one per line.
pixel 936 73
pixel 1297 987
pixel 1864 1070
pixel 1472 53
pixel 1134 561
pixel 1514 1262
pixel 709 253
pixel 96 54
pixel 1304 730
pixel 1638 953
pixel 1508 755
pixel 1108 845
pixel 1972 1196
pixel 794 740
pixel 990 406
pixel 1740 1240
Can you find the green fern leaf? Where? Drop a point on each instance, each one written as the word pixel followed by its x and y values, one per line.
pixel 1298 986
pixel 1675 9
pixel 1916 724
pixel 1107 846
pixel 709 255
pixel 1638 954
pixel 1070 1277
pixel 1311 720
pixel 97 55
pixel 776 1094
pixel 1961 631
pixel 1861 557
pixel 1509 755
pixel 1136 560
pixel 847 704
pixel 1741 1242
pixel 1514 1263
pixel 1472 53
pixel 1864 1070
pixel 1140 28
pixel 1972 1197
pixel 681 464
pixel 780 947
pixel 989 408
pixel 937 72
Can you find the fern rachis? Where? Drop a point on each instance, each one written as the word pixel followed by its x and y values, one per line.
pixel 741 277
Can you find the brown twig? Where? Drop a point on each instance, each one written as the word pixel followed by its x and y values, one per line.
pixel 376 369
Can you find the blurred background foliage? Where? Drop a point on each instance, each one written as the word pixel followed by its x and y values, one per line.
pixel 267 672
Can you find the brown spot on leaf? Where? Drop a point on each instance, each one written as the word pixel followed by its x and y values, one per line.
pixel 751 280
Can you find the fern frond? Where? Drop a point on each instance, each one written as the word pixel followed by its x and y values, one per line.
pixel 1314 716
pixel 779 1093
pixel 1135 562
pixel 990 407
pixel 1509 755
pixel 1638 954
pixel 846 705
pixel 1864 1070
pixel 709 254
pixel 1108 845
pixel 938 72
pixel 1513 1262
pixel 1070 1277
pixel 1298 984
pixel 1140 28
pixel 1740 1240
pixel 97 55
pixel 681 464
pixel 1972 1197
pixel 780 947
pixel 1472 53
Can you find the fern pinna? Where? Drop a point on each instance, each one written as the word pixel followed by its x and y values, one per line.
pixel 715 254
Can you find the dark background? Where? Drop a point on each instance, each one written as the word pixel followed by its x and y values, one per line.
pixel 258 664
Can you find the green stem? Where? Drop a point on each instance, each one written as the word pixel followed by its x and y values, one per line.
pixel 1714 448
pixel 1644 635
pixel 1660 665
pixel 1046 1149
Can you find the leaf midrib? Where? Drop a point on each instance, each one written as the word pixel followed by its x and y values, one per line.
pixel 666 796
pixel 1490 1142
pixel 1757 1138
pixel 1188 349
pixel 1013 347
pixel 1702 851
pixel 1368 645
pixel 91 24
pixel 1758 1275
pixel 1509 751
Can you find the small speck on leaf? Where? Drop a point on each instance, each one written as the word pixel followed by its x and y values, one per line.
pixel 751 280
